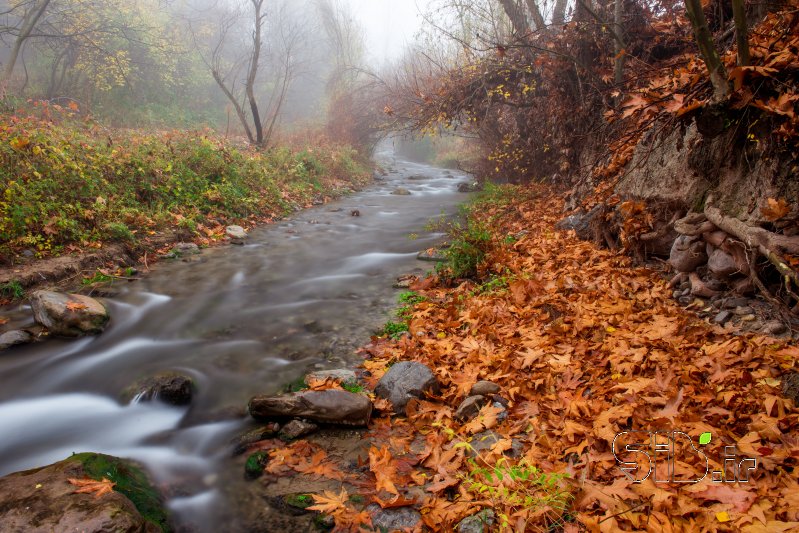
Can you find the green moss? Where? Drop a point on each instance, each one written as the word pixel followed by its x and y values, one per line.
pixel 130 481
pixel 300 501
pixel 255 464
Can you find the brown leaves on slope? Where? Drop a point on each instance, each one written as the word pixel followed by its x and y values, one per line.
pixel 585 346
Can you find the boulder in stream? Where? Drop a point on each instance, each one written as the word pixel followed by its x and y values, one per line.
pixel 14 338
pixel 168 387
pixel 237 234
pixel 401 191
pixel 438 255
pixel 44 500
pixel 330 406
pixel 406 380
pixel 69 315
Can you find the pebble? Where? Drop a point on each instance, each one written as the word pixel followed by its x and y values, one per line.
pixel 741 311
pixel 722 317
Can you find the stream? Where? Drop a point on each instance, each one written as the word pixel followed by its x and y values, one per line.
pixel 302 294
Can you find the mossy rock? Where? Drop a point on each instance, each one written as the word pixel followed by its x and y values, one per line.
pixel 255 464
pixel 131 481
pixel 292 504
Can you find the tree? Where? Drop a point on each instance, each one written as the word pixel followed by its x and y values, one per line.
pixel 707 48
pixel 20 31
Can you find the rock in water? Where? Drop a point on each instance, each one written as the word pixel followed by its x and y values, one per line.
pixel 433 254
pixel 70 315
pixel 326 406
pixel 43 500
pixel 237 234
pixel 406 380
pixel 168 387
pixel 400 191
pixel 14 338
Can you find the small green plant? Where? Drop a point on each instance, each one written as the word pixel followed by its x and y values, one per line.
pixel 408 299
pixel 394 329
pixel 98 277
pixel 300 501
pixel 12 289
pixel 119 231
pixel 353 387
pixel 496 284
pixel 514 488
pixel 467 249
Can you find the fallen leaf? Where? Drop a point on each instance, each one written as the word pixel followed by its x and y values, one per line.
pixel 88 485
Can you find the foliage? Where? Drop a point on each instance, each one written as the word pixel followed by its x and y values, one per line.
pixel 394 329
pixel 74 184
pixel 583 346
pixel 12 290
pixel 520 489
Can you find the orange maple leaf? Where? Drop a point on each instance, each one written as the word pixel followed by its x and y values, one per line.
pixel 330 502
pixel 775 209
pixel 89 485
pixel 75 306
pixel 382 466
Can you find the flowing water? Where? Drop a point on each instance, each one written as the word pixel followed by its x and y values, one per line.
pixel 240 320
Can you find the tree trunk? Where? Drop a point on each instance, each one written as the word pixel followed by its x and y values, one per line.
pixel 718 74
pixel 739 14
pixel 516 16
pixel 535 14
pixel 559 12
pixel 253 73
pixel 29 21
pixel 619 48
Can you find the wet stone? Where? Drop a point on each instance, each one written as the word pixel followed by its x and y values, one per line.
pixel 722 317
pixel 325 406
pixel 237 234
pixel 406 380
pixel 255 435
pixel 14 338
pixel 477 523
pixel 168 387
pixel 732 303
pixel 296 429
pixel 401 191
pixel 342 375
pixel 398 519
pixel 484 388
pixel 68 315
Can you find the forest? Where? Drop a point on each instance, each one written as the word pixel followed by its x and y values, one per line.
pixel 335 265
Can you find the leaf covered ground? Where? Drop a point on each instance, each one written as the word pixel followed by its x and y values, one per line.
pixel 584 345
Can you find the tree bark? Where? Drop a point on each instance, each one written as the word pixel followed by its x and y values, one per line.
pixel 707 48
pixel 535 14
pixel 253 73
pixel 559 12
pixel 29 20
pixel 516 16
pixel 739 14
pixel 618 68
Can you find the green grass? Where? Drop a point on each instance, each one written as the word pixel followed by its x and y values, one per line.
pixel 76 184
pixel 394 329
pixel 350 386
pixel 12 290
pixel 98 277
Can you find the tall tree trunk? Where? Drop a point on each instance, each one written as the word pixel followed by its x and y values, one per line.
pixel 29 20
pixel 516 16
pixel 619 48
pixel 718 74
pixel 253 73
pixel 559 12
pixel 739 14
pixel 535 14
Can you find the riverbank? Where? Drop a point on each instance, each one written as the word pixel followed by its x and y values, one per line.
pixel 580 346
pixel 78 201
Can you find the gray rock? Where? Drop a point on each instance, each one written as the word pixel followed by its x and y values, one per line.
pixel 14 338
pixel 397 519
pixel 241 443
pixel 745 310
pixel 406 380
pixel 732 303
pixel 342 375
pixel 69 315
pixel 772 327
pixel 477 523
pixel 296 429
pixel 401 191
pixel 484 388
pixel 185 248
pixel 433 254
pixel 325 406
pixel 237 234
pixel 42 500
pixel 790 387
pixel 417 177
pixel 469 186
pixel 469 408
pixel 168 387
pixel 721 264
pixel 485 440
pixel 687 254
pixel 722 317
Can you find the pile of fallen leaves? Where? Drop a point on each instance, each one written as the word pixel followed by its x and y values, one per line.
pixel 585 347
